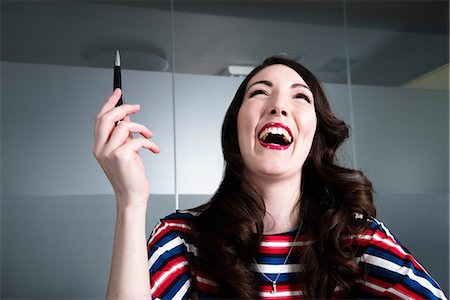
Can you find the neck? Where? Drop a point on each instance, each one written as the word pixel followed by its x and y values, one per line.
pixel 281 198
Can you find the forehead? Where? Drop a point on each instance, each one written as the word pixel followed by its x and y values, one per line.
pixel 278 74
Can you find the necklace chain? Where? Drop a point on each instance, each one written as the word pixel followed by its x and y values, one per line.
pixel 274 282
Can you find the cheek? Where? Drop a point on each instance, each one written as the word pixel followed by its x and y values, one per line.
pixel 242 121
pixel 308 124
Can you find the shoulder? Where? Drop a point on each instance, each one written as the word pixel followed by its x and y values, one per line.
pixel 171 240
pixel 390 270
pixel 175 226
pixel 170 252
pixel 181 219
pixel 378 235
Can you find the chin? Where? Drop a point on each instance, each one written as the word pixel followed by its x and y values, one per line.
pixel 274 169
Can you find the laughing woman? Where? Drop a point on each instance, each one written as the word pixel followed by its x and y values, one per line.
pixel 287 222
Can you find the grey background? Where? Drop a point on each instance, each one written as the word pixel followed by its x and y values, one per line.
pixel 57 209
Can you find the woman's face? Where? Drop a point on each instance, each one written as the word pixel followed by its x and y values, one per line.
pixel 276 123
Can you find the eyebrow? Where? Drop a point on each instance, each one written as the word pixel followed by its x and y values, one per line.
pixel 268 83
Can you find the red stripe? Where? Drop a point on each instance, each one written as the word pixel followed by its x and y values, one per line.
pixel 394 250
pixel 386 285
pixel 277 250
pixel 292 286
pixel 154 277
pixel 207 288
pixel 172 227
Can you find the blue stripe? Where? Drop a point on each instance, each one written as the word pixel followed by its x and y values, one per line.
pixel 177 216
pixel 270 260
pixel 392 257
pixel 394 278
pixel 167 256
pixel 176 286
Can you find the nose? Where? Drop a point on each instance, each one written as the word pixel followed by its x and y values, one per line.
pixel 278 111
pixel 279 104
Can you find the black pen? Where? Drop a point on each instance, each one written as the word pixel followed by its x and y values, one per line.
pixel 118 76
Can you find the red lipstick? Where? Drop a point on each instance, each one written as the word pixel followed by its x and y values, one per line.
pixel 270 145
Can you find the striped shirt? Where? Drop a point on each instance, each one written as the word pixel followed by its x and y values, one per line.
pixel 391 270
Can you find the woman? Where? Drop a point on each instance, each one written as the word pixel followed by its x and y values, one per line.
pixel 286 221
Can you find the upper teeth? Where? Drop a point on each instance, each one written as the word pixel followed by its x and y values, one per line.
pixel 275 130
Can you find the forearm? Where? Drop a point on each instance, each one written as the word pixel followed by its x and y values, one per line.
pixel 129 277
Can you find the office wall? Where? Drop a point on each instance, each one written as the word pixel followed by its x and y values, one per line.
pixel 58 209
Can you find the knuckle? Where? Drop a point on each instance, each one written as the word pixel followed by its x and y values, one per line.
pixel 116 154
pixel 101 118
pixel 98 155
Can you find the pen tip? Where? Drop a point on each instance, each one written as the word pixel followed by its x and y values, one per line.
pixel 117 60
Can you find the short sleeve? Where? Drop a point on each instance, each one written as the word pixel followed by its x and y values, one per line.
pixel 170 276
pixel 390 269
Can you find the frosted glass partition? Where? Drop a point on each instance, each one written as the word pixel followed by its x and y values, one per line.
pixel 57 206
pixel 56 200
pixel 402 145
pixel 402 138
pixel 401 134
pixel 242 33
pixel 49 113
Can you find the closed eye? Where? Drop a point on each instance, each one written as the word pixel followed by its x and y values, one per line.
pixel 302 96
pixel 258 92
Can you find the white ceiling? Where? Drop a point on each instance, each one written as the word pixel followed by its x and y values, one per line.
pixel 390 42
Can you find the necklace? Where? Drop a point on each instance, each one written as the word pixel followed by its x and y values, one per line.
pixel 274 282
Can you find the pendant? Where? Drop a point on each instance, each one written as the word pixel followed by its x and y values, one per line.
pixel 274 287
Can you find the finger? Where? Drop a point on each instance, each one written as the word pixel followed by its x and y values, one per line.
pixel 130 135
pixel 139 143
pixel 105 124
pixel 120 112
pixel 110 102
pixel 123 132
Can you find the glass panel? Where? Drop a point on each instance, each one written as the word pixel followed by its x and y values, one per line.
pixel 57 71
pixel 399 73
pixel 212 40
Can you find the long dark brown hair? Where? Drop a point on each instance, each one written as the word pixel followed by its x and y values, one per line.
pixel 229 228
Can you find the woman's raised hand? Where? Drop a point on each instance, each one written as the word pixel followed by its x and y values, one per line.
pixel 118 152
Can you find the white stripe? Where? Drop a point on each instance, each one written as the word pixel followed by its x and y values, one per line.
pixel 157 230
pixel 280 294
pixel 284 244
pixel 394 244
pixel 383 290
pixel 166 274
pixel 166 247
pixel 388 233
pixel 206 281
pixel 276 269
pixel 192 213
pixel 390 243
pixel 359 237
pixel 402 270
pixel 181 225
pixel 183 290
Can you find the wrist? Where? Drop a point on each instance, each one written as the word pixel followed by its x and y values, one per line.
pixel 131 203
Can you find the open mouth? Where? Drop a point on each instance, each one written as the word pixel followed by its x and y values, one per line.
pixel 275 136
